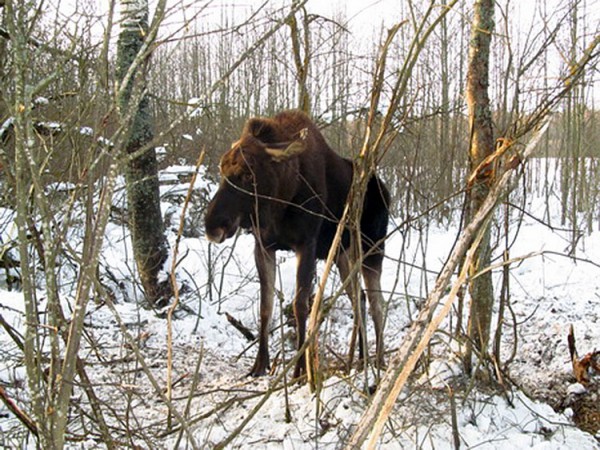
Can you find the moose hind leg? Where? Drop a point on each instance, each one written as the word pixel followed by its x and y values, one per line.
pixel 371 272
pixel 357 297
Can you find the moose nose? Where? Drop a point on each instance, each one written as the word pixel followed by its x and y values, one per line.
pixel 217 235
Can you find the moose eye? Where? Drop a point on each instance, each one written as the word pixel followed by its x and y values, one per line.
pixel 247 177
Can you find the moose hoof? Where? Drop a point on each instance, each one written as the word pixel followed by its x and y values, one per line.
pixel 299 370
pixel 255 373
pixel 259 370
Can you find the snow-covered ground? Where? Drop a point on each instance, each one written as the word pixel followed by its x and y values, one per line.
pixel 549 292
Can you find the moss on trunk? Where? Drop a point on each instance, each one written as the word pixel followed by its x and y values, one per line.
pixel 143 196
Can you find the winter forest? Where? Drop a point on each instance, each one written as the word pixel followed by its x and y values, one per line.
pixel 123 326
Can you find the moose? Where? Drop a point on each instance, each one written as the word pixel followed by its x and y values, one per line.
pixel 282 182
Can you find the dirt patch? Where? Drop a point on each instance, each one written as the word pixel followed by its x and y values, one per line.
pixel 586 410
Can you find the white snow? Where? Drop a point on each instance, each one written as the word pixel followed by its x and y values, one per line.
pixel 86 131
pixel 41 101
pixel 195 107
pixel 6 125
pixel 105 142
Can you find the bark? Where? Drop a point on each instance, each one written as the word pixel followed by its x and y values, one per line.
pixel 143 197
pixel 482 146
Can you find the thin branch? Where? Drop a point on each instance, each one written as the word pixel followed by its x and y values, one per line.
pixel 174 284
pixel 18 412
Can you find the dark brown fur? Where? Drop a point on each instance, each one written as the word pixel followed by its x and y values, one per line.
pixel 282 182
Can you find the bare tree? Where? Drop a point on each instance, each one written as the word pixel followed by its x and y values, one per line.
pixel 51 368
pixel 301 51
pixel 146 225
pixel 482 145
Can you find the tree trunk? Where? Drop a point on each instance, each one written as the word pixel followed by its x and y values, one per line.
pixel 143 198
pixel 481 146
pixel 301 61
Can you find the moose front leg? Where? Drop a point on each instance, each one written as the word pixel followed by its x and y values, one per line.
pixel 265 265
pixel 304 283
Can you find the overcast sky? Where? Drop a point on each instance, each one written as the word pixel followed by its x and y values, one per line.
pixel 363 16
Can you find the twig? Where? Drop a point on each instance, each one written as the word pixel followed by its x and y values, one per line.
pixel 18 412
pixel 240 327
pixel 191 394
pixel 453 416
pixel 174 285
pixel 155 385
pixel 14 334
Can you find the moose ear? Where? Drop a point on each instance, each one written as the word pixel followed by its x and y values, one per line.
pixel 261 129
pixel 286 151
